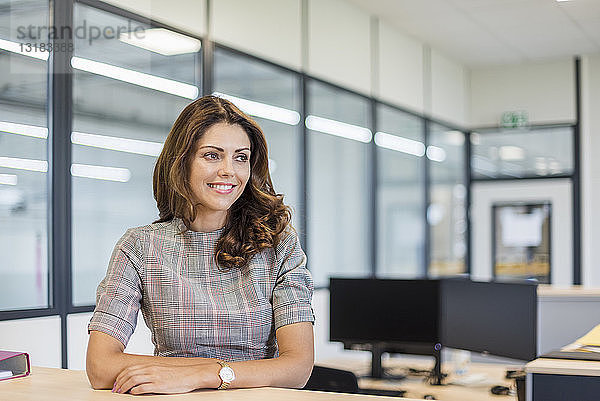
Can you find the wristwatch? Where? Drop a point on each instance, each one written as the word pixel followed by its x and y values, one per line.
pixel 226 374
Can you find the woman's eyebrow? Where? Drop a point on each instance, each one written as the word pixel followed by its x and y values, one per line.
pixel 212 146
pixel 223 150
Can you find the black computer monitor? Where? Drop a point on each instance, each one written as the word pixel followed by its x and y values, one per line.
pixel 386 314
pixel 498 318
pixel 383 310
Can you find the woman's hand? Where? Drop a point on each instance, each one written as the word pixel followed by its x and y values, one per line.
pixel 164 379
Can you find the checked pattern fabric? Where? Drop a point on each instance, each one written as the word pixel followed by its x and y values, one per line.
pixel 191 307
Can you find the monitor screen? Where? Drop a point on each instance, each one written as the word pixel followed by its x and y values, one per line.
pixel 498 318
pixel 384 310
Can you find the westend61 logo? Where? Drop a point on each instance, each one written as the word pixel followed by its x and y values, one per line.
pixel 37 34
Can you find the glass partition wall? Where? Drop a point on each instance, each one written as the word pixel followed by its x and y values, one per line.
pixel 339 183
pixel 400 193
pixel 446 212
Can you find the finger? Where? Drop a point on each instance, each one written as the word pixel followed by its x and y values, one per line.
pixel 142 389
pixel 133 381
pixel 127 373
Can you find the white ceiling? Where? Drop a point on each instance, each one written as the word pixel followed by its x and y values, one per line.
pixel 496 32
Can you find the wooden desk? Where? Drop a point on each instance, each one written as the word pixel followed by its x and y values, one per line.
pixel 416 388
pixel 48 384
pixel 562 379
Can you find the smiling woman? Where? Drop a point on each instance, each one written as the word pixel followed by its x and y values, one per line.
pixel 220 278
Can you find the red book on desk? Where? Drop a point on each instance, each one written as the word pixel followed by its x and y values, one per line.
pixel 13 364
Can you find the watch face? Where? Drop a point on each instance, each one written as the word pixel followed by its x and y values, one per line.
pixel 226 374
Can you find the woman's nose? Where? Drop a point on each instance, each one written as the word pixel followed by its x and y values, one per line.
pixel 226 168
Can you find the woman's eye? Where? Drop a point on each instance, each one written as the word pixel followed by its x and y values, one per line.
pixel 211 156
pixel 242 158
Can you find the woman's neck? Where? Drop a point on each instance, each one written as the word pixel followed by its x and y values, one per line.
pixel 206 222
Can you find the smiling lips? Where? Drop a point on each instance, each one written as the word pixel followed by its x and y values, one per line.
pixel 222 188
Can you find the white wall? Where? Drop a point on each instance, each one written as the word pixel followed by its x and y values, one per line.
pixel 39 337
pixel 266 28
pixel 187 15
pixel 339 44
pixel 590 166
pixel 449 94
pixel 545 90
pixel 400 68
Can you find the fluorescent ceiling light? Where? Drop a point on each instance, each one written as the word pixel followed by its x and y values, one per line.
pixel 100 172
pixel 77 170
pixel 122 74
pixel 263 110
pixel 399 144
pixel 116 143
pixel 8 179
pixel 23 129
pixel 162 41
pixel 436 154
pixel 137 78
pixel 24 164
pixel 15 47
pixel 510 153
pixel 338 128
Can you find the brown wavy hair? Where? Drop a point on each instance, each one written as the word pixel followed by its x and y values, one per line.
pixel 257 219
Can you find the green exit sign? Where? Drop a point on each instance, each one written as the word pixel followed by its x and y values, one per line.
pixel 514 119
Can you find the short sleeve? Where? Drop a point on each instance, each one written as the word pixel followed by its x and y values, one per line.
pixel 293 289
pixel 119 293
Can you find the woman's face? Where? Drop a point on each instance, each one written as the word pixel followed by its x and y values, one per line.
pixel 220 169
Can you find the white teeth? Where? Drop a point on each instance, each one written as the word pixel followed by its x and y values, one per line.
pixel 221 187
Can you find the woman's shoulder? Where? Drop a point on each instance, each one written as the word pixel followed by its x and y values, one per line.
pixel 288 239
pixel 148 231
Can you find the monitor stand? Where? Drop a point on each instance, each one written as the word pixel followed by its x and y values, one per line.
pixel 377 369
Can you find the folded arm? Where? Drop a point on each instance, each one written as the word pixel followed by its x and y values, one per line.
pixel 109 367
pixel 106 358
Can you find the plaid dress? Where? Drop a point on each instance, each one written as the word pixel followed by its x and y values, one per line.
pixel 192 308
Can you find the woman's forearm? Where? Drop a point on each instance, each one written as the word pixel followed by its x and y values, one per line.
pixel 284 371
pixel 108 365
pixel 102 370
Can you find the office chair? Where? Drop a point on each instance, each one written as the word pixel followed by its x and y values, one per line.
pixel 329 379
pixel 342 381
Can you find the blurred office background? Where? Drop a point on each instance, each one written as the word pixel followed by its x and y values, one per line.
pixel 410 138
